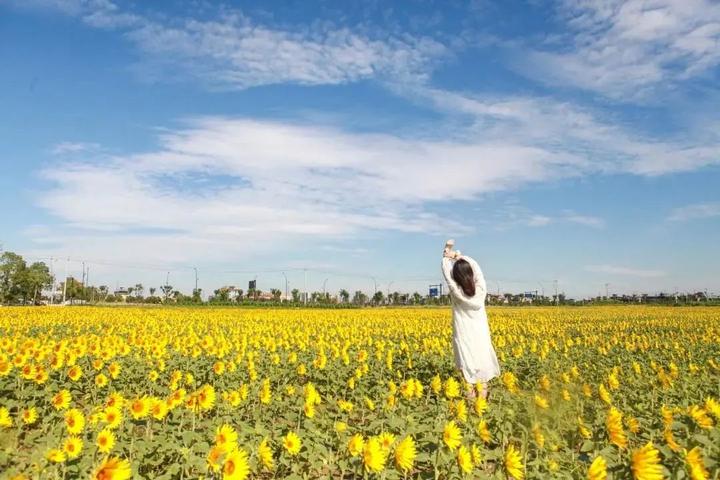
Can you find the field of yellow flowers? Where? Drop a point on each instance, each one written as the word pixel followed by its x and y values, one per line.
pixel 161 393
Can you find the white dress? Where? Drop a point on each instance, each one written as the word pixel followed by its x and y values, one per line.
pixel 474 352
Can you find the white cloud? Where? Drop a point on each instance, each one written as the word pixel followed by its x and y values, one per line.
pixel 538 221
pixel 629 48
pixel 563 128
pixel 697 211
pixel 232 51
pixel 223 184
pixel 624 271
pixel 65 148
pixel 587 220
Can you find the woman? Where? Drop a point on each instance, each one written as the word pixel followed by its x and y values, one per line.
pixel 474 352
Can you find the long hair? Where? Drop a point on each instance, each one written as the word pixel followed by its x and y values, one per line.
pixel 463 275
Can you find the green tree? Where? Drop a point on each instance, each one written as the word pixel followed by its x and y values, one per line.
pixel 378 298
pixel 344 295
pixel 295 295
pixel 12 269
pixel 359 298
pixel 197 295
pixel 34 279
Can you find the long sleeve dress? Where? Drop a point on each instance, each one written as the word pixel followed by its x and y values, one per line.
pixel 474 352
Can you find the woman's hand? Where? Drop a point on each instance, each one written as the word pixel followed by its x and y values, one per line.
pixel 451 254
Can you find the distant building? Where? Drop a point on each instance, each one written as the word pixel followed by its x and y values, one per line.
pixel 121 292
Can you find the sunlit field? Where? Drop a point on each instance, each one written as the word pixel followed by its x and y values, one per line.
pixel 154 393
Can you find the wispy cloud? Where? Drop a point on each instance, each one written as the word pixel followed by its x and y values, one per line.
pixel 624 271
pixel 64 148
pixel 629 49
pixel 697 211
pixel 231 51
pixel 566 129
pixel 515 215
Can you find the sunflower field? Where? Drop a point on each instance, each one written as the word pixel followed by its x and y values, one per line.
pixel 173 393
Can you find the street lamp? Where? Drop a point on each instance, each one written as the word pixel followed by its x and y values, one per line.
pixel 286 285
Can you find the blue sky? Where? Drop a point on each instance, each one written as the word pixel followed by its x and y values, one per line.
pixel 570 140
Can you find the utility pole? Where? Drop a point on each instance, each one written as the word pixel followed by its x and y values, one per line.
pixel 557 299
pixel 607 291
pixel 52 274
pixel 286 285
pixel 374 283
pixel 388 295
pixel 324 284
pixel 305 286
pixel 196 280
pixel 67 260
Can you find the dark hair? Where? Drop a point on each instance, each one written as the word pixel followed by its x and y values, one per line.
pixel 464 276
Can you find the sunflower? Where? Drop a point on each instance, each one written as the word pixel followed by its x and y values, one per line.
pixel 538 435
pixel 226 436
pixel 464 459
pixel 476 454
pixel 695 464
pixel 73 446
pixel 115 400
pixel 513 463
pixel 101 380
pixel 405 454
pixel 292 443
pixel 604 394
pixel 140 407
pixel 480 406
pixel 5 420
pixel 265 454
pixel 646 463
pixel 613 422
pixel 386 440
pixel 158 408
pixel 114 369
pixel 598 469
pixel 484 431
pixel 105 440
pixel 206 397
pixel 541 402
pixel 713 406
pixel 461 410
pixel 56 455
pixel 510 381
pixel 452 388
pixel 112 416
pixel 61 400
pixel 74 421
pixel 583 429
pixel 113 468
pixel 700 416
pixel 29 415
pixel 265 392
pixel 436 384
pixel 75 373
pixel 356 445
pixel 451 435
pixel 236 466
pixel 215 456
pixel 374 456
